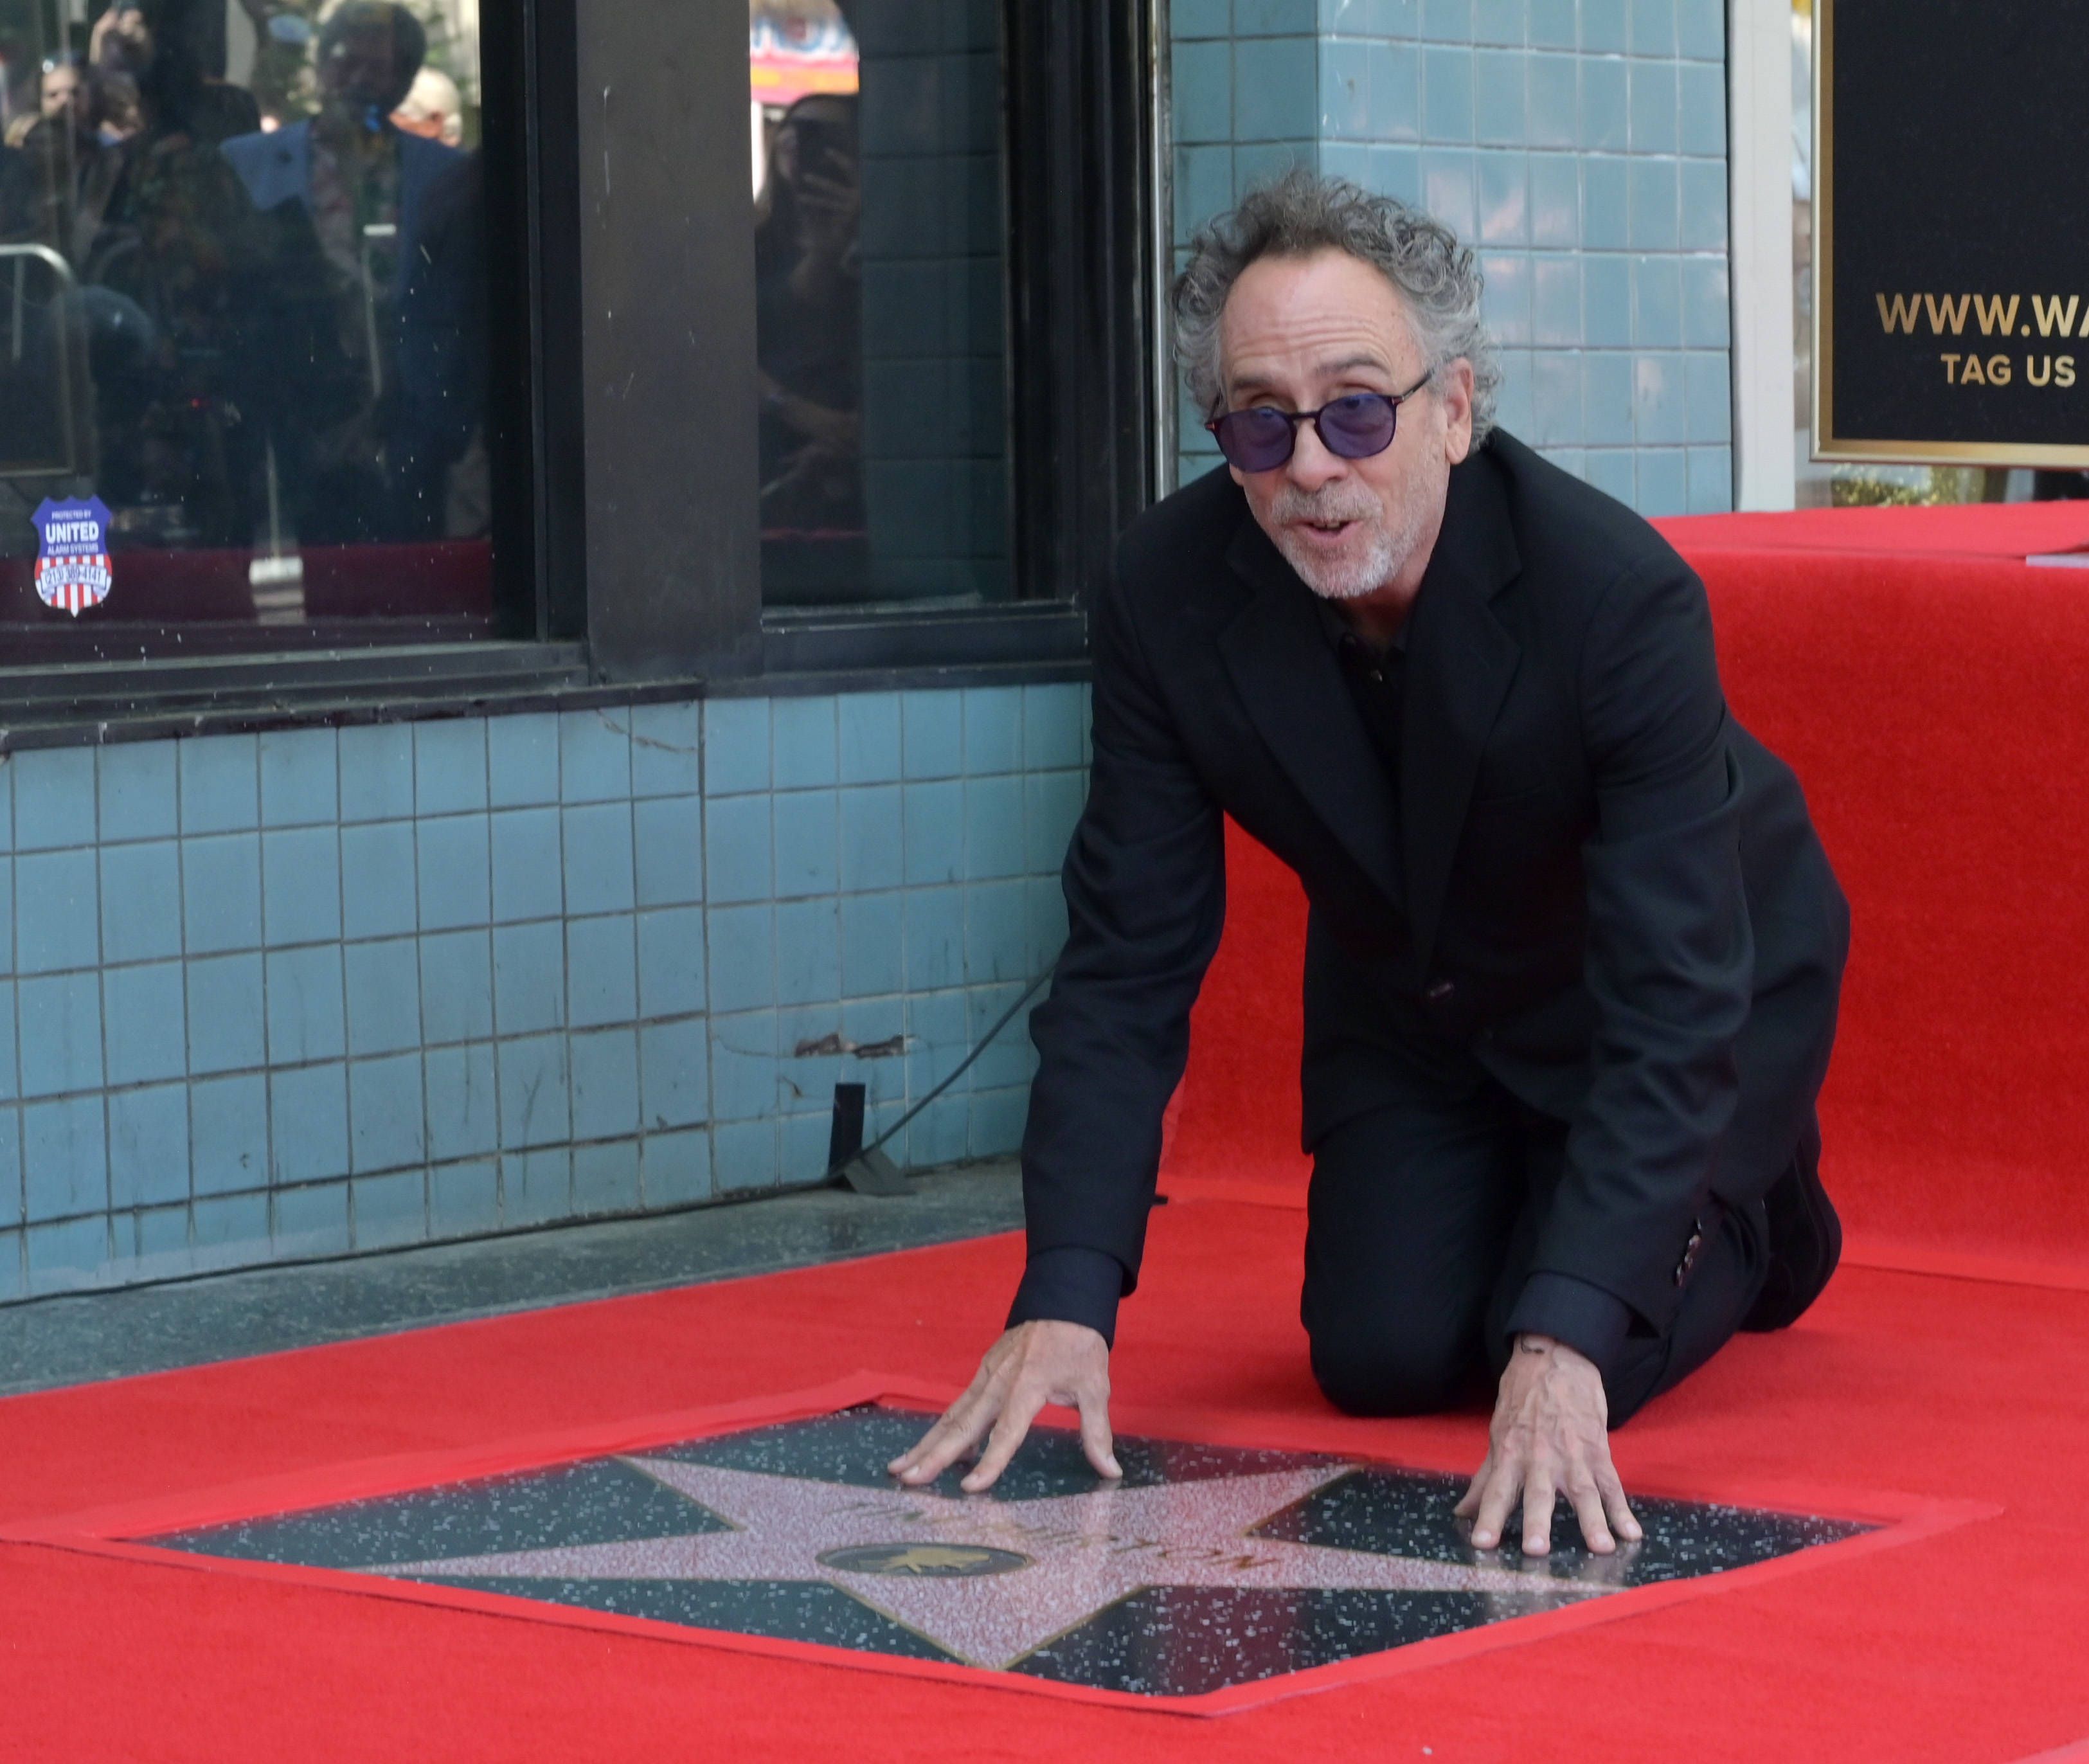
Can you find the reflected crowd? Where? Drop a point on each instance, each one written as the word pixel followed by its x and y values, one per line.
pixel 249 314
pixel 809 293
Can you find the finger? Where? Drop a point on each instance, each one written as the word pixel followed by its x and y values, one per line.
pixel 960 1430
pixel 921 1447
pixel 1537 1499
pixel 963 1418
pixel 941 1429
pixel 1017 1412
pixel 1622 1519
pixel 1497 1501
pixel 1095 1438
pixel 1468 1503
pixel 950 1439
pixel 1588 1502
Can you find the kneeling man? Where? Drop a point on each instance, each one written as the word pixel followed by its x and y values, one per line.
pixel 1574 949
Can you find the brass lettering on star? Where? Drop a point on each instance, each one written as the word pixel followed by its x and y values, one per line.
pixel 923 1561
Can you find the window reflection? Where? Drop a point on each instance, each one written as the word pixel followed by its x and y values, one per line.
pixel 880 236
pixel 242 302
pixel 808 305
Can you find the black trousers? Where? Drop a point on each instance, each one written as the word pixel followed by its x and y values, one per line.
pixel 1421 1220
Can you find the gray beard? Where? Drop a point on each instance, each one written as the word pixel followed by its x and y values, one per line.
pixel 1388 547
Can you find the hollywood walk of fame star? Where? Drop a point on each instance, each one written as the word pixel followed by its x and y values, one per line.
pixel 991 1581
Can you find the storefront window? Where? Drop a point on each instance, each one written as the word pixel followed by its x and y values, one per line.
pixel 243 356
pixel 881 284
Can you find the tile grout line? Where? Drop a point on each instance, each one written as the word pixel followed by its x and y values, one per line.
pixel 340 947
pixel 775 1116
pixel 711 966
pixel 637 1009
pixel 20 1111
pixel 187 958
pixel 421 1029
pixel 102 1021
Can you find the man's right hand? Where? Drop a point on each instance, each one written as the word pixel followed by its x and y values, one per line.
pixel 1033 1364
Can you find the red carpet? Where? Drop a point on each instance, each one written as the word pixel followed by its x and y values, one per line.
pixel 1964 1646
pixel 1958 1648
pixel 1928 686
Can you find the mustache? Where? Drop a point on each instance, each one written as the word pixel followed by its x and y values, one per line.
pixel 1346 503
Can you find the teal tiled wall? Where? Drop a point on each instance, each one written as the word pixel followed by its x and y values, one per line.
pixel 1579 145
pixel 315 991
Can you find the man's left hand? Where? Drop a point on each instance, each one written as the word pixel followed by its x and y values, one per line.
pixel 1551 1436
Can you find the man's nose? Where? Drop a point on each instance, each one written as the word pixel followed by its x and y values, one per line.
pixel 1312 465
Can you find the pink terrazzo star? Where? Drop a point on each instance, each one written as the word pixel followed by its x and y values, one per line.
pixel 992 1580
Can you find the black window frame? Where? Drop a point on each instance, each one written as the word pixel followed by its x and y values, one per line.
pixel 633 237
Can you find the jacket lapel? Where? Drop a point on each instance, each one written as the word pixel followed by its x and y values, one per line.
pixel 1460 659
pixel 1289 678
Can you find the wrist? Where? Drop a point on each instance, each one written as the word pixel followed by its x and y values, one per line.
pixel 1064 1327
pixel 1550 1350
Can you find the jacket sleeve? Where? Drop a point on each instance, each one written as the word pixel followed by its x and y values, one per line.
pixel 1587 1319
pixel 1145 888
pixel 1670 962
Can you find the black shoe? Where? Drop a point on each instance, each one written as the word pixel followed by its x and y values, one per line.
pixel 1805 1242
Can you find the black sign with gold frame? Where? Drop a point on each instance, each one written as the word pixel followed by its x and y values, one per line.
pixel 1951 231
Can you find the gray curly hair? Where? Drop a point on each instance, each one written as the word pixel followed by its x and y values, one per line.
pixel 1301 212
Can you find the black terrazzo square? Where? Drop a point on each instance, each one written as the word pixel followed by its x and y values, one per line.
pixel 1207 1568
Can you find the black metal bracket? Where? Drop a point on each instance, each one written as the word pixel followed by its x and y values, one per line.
pixel 868 1172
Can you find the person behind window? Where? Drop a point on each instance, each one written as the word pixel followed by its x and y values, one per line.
pixel 432 108
pixel 72 162
pixel 18 195
pixel 120 49
pixel 809 345
pixel 437 466
pixel 49 94
pixel 61 86
pixel 121 40
pixel 343 201
pixel 55 186
pixel 64 92
pixel 280 75
pixel 170 279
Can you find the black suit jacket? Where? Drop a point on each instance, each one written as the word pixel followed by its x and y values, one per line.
pixel 1600 885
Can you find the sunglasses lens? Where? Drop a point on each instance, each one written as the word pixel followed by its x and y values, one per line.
pixel 1257 440
pixel 1358 425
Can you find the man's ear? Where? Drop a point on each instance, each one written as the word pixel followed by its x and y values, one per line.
pixel 1454 387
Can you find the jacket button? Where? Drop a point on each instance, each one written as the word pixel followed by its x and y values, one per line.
pixel 1439 991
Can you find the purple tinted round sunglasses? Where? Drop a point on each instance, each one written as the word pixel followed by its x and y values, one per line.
pixel 1354 426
